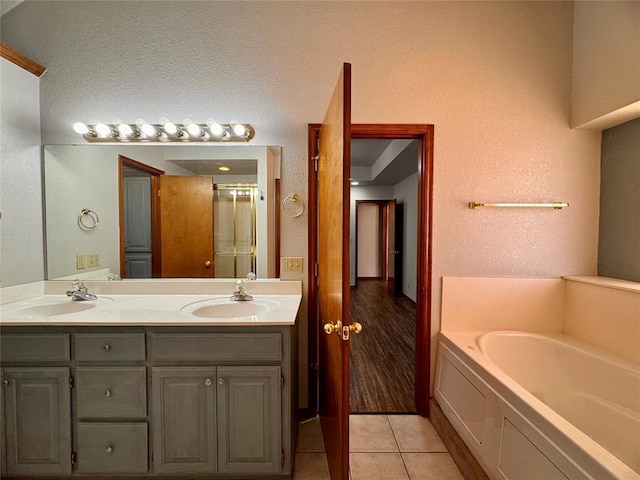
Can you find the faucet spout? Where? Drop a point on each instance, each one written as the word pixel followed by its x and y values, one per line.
pixel 79 292
pixel 239 293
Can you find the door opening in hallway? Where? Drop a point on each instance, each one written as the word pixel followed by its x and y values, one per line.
pixel 384 198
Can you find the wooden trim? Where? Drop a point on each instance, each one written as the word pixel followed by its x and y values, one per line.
pixel 20 60
pixel 313 137
pixel 425 133
pixel 277 220
pixel 156 265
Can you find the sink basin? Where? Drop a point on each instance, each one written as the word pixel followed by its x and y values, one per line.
pixel 50 308
pixel 225 308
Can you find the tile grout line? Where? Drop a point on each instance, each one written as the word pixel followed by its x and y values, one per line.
pixel 398 445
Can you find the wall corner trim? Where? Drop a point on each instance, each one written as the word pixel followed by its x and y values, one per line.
pixel 20 60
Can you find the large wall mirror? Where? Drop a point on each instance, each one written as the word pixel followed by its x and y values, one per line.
pixel 168 211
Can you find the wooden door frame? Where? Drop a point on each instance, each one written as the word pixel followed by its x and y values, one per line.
pixel 424 133
pixel 154 173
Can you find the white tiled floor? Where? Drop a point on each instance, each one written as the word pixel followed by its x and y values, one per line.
pixel 385 447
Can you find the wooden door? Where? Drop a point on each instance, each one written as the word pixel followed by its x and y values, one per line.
pixel 333 274
pixel 249 426
pixel 184 420
pixel 186 226
pixel 38 421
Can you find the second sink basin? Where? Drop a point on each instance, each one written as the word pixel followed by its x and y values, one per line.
pixel 226 308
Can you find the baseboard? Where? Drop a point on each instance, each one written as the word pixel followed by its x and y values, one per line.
pixel 462 456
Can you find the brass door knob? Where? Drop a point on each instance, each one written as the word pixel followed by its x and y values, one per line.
pixel 207 263
pixel 208 382
pixel 355 327
pixel 333 327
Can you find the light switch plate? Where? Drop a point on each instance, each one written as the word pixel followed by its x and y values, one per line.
pixel 93 259
pixel 81 261
pixel 291 265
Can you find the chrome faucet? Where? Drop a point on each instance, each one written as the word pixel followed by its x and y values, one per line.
pixel 79 292
pixel 239 293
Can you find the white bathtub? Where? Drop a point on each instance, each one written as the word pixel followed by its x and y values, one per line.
pixel 541 407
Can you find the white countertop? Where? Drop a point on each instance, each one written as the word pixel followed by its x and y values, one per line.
pixel 148 309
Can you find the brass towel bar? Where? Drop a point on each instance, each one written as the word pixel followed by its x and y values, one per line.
pixel 554 205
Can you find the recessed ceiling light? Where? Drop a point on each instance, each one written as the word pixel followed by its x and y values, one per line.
pixel 354 183
pixel 224 168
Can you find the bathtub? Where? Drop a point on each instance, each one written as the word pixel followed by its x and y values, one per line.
pixel 541 407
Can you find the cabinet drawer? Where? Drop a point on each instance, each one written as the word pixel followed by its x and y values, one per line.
pixel 34 348
pixel 97 347
pixel 235 347
pixel 111 392
pixel 112 448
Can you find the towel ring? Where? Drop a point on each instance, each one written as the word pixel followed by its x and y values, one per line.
pixel 293 206
pixel 88 219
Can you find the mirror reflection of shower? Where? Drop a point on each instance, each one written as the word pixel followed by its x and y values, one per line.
pixel 234 229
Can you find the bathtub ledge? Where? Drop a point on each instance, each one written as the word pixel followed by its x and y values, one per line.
pixel 606 282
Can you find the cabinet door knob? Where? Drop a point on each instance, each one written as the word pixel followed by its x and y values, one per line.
pixel 208 382
pixel 221 381
pixel 109 449
pixel 106 347
pixel 5 383
pixel 107 393
pixel 207 264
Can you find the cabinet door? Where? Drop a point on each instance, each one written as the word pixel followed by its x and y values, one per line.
pixel 3 435
pixel 249 427
pixel 184 419
pixel 38 423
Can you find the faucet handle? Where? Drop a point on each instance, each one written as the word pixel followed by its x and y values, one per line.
pixel 239 285
pixel 78 286
pixel 251 276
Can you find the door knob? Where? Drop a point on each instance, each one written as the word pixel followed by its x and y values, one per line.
pixel 333 327
pixel 355 327
pixel 207 263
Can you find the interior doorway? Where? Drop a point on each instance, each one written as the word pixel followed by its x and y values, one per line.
pixel 423 134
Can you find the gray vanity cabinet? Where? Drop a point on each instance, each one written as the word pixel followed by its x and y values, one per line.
pixel 249 419
pixel 184 419
pixel 37 420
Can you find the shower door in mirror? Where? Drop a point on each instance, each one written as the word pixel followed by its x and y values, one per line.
pixel 234 229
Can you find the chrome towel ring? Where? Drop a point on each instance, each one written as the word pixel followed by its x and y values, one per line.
pixel 293 206
pixel 88 219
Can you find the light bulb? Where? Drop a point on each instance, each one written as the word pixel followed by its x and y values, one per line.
pixel 80 128
pixel 215 127
pixel 193 129
pixel 148 130
pixel 169 127
pixel 125 130
pixel 140 122
pixel 239 129
pixel 103 130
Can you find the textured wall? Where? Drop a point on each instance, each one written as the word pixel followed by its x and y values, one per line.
pixel 606 63
pixel 21 247
pixel 493 77
pixel 406 192
pixel 619 244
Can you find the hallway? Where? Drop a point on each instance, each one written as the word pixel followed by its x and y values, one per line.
pixel 385 447
pixel 383 356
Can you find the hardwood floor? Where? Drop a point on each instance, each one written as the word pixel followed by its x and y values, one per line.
pixel 383 355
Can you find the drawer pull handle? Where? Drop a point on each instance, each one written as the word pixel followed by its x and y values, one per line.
pixel 109 449
pixel 221 381
pixel 107 393
pixel 208 382
pixel 106 347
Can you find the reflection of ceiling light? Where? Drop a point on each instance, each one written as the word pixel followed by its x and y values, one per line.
pixel 224 168
pixel 165 131
pixel 354 183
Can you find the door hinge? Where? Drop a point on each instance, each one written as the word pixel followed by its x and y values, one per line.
pixel 72 382
pixel 315 162
pixel 282 380
pixel 282 459
pixel 74 458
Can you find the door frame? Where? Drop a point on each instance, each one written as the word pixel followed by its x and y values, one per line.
pixel 154 173
pixel 424 133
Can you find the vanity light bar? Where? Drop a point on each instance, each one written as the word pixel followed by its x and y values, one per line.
pixel 165 132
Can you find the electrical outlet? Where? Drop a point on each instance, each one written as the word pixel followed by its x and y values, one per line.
pixel 81 261
pixel 291 265
pixel 93 259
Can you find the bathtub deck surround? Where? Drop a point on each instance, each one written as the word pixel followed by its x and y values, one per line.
pixel 517 411
pixel 156 389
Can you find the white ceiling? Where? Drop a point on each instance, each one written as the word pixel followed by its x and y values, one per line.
pixel 376 162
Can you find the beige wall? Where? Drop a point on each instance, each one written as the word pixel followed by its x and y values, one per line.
pixel 493 77
pixel 368 240
pixel 606 63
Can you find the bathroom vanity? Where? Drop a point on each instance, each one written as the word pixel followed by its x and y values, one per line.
pixel 141 386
